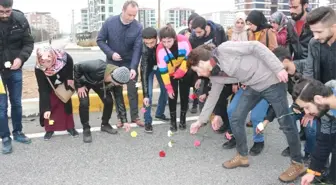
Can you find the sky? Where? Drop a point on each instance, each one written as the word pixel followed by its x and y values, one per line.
pixel 61 9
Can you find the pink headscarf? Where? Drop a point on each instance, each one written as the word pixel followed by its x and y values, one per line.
pixel 59 59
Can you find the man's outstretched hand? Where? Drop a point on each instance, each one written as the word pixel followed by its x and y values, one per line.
pixel 195 127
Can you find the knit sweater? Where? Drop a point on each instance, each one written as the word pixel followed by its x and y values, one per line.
pixel 168 65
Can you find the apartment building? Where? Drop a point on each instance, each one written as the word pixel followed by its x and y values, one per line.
pixel 268 6
pixel 224 18
pixel 147 17
pixel 84 20
pixel 178 17
pixel 43 21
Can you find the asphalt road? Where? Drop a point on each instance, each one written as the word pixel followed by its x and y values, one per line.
pixel 77 55
pixel 123 160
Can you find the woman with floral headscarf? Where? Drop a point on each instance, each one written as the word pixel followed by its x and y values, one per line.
pixel 57 66
pixel 279 23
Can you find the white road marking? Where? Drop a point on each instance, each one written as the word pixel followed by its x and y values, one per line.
pixel 97 129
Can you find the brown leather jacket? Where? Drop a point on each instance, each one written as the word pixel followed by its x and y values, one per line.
pixel 272 38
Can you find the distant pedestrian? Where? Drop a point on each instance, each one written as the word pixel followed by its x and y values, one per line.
pixel 16 46
pixel 121 41
pixel 54 68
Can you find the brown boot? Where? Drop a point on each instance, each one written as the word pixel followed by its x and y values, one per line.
pixel 237 161
pixel 293 172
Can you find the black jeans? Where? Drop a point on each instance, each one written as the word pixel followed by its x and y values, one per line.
pixel 84 104
pixel 132 94
pixel 277 96
pixel 221 106
pixel 182 85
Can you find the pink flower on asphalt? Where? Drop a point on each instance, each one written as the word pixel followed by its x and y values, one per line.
pixel 228 135
pixel 193 96
pixel 197 143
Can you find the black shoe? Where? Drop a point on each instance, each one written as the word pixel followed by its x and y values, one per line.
pixel 105 127
pixel 256 148
pixel 230 144
pixel 286 152
pixel 302 135
pixel 193 110
pixel 87 138
pixel 223 129
pixel 183 124
pixel 162 117
pixel 173 124
pixel 148 128
pixel 48 135
pixel 73 132
pixel 306 159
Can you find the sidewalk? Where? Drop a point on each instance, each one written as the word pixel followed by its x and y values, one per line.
pixel 74 46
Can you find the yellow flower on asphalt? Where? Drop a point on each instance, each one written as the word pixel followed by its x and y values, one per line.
pixel 170 144
pixel 51 122
pixel 134 134
pixel 170 133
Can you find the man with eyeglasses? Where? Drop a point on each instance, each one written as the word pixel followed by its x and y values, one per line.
pixel 16 46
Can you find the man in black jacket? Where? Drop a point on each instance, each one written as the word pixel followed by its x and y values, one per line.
pixel 208 32
pixel 298 31
pixel 16 46
pixel 106 80
pixel 298 37
pixel 318 100
pixel 148 70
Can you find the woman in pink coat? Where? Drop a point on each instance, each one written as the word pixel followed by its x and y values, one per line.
pixel 279 23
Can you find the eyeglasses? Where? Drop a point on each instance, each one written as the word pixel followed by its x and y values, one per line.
pixel 7 12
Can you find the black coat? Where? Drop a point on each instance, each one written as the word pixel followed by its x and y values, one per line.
pixel 91 74
pixel 16 40
pixel 44 87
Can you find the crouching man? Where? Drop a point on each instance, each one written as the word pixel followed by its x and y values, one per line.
pixel 106 80
pixel 254 65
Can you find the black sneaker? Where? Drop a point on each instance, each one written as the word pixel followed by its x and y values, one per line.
pixel 87 138
pixel 48 135
pixel 230 144
pixel 148 128
pixel 193 110
pixel 162 117
pixel 306 159
pixel 7 145
pixel 256 148
pixel 73 132
pixel 286 152
pixel 108 128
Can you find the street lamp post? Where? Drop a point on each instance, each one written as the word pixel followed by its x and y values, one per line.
pixel 159 13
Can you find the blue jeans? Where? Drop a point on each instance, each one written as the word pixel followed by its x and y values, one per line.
pixel 310 132
pixel 163 98
pixel 258 114
pixel 13 81
pixel 276 95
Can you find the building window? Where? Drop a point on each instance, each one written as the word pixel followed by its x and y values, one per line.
pixel 110 1
pixel 102 1
pixel 110 9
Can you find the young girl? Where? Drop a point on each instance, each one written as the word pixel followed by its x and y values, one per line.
pixel 171 55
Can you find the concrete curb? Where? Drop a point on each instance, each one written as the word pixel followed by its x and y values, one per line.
pixel 30 107
pixel 96 48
